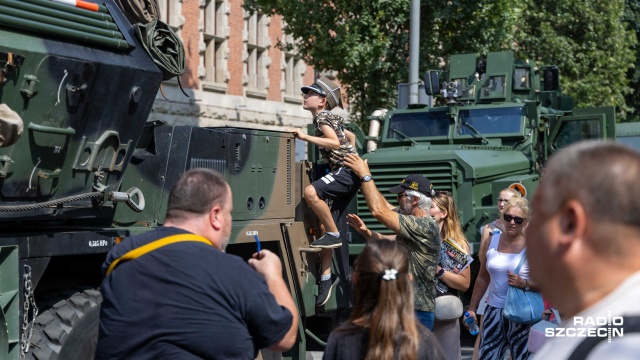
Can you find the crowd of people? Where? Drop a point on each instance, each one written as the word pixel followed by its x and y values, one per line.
pixel 578 243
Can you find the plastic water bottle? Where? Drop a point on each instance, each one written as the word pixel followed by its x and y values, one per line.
pixel 473 327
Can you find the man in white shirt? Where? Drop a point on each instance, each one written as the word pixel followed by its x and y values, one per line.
pixel 583 244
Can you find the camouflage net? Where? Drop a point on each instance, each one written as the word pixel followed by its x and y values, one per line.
pixel 139 11
pixel 164 47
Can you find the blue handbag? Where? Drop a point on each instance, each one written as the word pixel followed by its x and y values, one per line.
pixel 523 306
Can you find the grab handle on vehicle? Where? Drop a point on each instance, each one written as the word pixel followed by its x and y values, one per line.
pixel 51 129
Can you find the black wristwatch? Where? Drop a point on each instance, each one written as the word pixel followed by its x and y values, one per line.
pixel 440 273
pixel 366 178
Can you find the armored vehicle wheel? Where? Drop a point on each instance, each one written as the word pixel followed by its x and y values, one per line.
pixel 69 329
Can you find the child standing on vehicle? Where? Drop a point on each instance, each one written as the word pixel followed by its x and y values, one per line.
pixel 332 192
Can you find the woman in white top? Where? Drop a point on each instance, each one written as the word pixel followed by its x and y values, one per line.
pixel 503 253
pixel 487 231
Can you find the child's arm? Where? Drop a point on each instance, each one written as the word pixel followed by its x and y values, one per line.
pixel 329 139
pixel 351 137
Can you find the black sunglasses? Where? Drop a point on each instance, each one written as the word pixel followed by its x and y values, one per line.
pixel 517 219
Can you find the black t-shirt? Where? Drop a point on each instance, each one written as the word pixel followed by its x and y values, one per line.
pixel 186 300
pixel 350 342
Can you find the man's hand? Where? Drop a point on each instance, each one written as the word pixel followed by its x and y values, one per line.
pixel 298 134
pixel 266 264
pixel 269 266
pixel 360 167
pixel 355 222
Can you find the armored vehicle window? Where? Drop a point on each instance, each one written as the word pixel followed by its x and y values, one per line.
pixel 491 121
pixel 418 124
pixel 521 79
pixel 574 131
pixel 494 87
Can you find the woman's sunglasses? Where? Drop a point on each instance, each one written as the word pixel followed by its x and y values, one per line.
pixel 508 218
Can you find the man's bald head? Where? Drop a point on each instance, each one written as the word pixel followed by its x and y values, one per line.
pixel 602 176
pixel 195 193
pixel 583 237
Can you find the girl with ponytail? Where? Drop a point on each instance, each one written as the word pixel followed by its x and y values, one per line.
pixel 382 324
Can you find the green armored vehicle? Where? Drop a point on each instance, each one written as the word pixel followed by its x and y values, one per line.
pixel 494 123
pixel 81 169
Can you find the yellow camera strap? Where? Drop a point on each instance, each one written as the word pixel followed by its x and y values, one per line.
pixel 136 253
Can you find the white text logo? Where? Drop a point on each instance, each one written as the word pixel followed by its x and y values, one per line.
pixel 590 326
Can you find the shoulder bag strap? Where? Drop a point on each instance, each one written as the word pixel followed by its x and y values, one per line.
pixel 495 241
pixel 136 253
pixel 524 256
pixel 631 324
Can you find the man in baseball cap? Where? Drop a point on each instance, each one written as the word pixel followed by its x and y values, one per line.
pixel 414 182
pixel 416 229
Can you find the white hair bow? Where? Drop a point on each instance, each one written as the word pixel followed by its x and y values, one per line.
pixel 390 274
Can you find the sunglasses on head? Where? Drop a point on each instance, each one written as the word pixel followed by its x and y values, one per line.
pixel 508 218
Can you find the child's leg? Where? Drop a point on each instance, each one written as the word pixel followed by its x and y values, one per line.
pixel 338 185
pixel 331 238
pixel 320 208
pixel 327 256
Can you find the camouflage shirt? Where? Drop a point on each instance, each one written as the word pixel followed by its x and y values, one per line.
pixel 334 158
pixel 421 237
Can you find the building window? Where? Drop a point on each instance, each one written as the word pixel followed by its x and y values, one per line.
pixel 293 70
pixel 256 57
pixel 171 13
pixel 215 34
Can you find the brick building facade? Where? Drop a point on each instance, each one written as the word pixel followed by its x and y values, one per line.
pixel 235 74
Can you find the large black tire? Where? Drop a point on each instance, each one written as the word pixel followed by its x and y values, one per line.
pixel 69 329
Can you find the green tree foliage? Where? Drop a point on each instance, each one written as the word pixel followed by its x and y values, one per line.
pixel 632 19
pixel 588 41
pixel 364 41
pixel 367 42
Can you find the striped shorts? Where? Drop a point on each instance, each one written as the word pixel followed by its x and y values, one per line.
pixel 498 332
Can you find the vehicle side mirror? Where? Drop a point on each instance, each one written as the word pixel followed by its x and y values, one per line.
pixel 432 82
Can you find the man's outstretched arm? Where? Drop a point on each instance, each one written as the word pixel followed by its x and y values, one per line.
pixel 375 201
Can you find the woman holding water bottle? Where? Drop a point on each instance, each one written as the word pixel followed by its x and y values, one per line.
pixel 487 231
pixel 471 324
pixel 503 253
